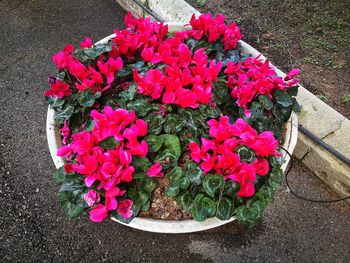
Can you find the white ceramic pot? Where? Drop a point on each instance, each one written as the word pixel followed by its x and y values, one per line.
pixel 171 226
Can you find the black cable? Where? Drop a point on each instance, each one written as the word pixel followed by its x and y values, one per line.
pixel 324 145
pixel 149 11
pixel 302 197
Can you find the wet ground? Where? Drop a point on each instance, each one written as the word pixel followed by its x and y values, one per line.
pixel 33 227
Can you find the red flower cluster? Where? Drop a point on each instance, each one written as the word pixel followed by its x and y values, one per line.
pixel 85 77
pixel 187 80
pixel 253 77
pixel 218 154
pixel 141 33
pixel 213 29
pixel 108 167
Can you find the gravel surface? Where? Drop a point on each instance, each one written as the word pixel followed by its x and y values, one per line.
pixel 33 227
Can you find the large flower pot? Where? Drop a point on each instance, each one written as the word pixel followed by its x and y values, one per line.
pixel 171 226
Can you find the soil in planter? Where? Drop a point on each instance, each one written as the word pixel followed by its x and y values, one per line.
pixel 163 206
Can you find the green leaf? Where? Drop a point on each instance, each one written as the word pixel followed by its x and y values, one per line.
pixel 256 209
pixel 194 173
pixel 212 184
pixel 191 43
pixel 166 158
pixel 175 174
pixel 59 175
pixel 281 113
pixel 267 191
pixel 293 91
pixel 231 188
pixel 61 75
pixel 189 115
pixel 172 191
pixel 202 208
pixel 123 72
pixel 71 199
pixel 138 175
pixel 245 216
pixel 56 102
pixel 276 161
pixel 146 206
pixel 266 102
pixel 231 55
pixel 256 110
pixel 140 106
pixel 89 125
pixel 70 209
pixel 154 143
pixel 174 123
pixel 209 112
pixel 296 106
pixel 276 178
pixel 129 93
pixel 283 98
pixel 209 206
pixel 245 154
pixel 63 115
pixel 148 185
pixel 185 201
pixel 109 143
pixel 143 198
pixel 224 209
pixel 221 93
pixel 184 182
pixel 172 143
pixel 154 122
pixel 96 50
pixel 141 164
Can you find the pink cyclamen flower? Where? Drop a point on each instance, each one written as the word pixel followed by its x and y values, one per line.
pixel 87 43
pixel 65 131
pixel 125 208
pixel 91 197
pixel 261 166
pixel 155 170
pixel 58 89
pixel 98 213
pixel 291 74
pixel 265 144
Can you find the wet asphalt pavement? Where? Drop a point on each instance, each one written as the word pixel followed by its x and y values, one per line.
pixel 33 227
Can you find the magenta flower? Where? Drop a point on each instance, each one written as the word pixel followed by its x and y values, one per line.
pixel 65 131
pixel 155 170
pixel 59 89
pixel 261 166
pixel 291 74
pixel 92 197
pixel 87 43
pixel 265 144
pixel 125 208
pixel 98 213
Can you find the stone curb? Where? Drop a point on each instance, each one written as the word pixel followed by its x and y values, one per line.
pixel 318 117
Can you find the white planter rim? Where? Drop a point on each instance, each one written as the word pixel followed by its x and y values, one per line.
pixel 173 226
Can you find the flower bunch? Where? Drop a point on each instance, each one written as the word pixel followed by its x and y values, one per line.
pixel 222 153
pixel 103 156
pixel 213 29
pixel 253 77
pixel 148 104
pixel 187 80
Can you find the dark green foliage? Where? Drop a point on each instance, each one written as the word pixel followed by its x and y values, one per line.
pixel 109 143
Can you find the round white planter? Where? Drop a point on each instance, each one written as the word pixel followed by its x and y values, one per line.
pixel 172 226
